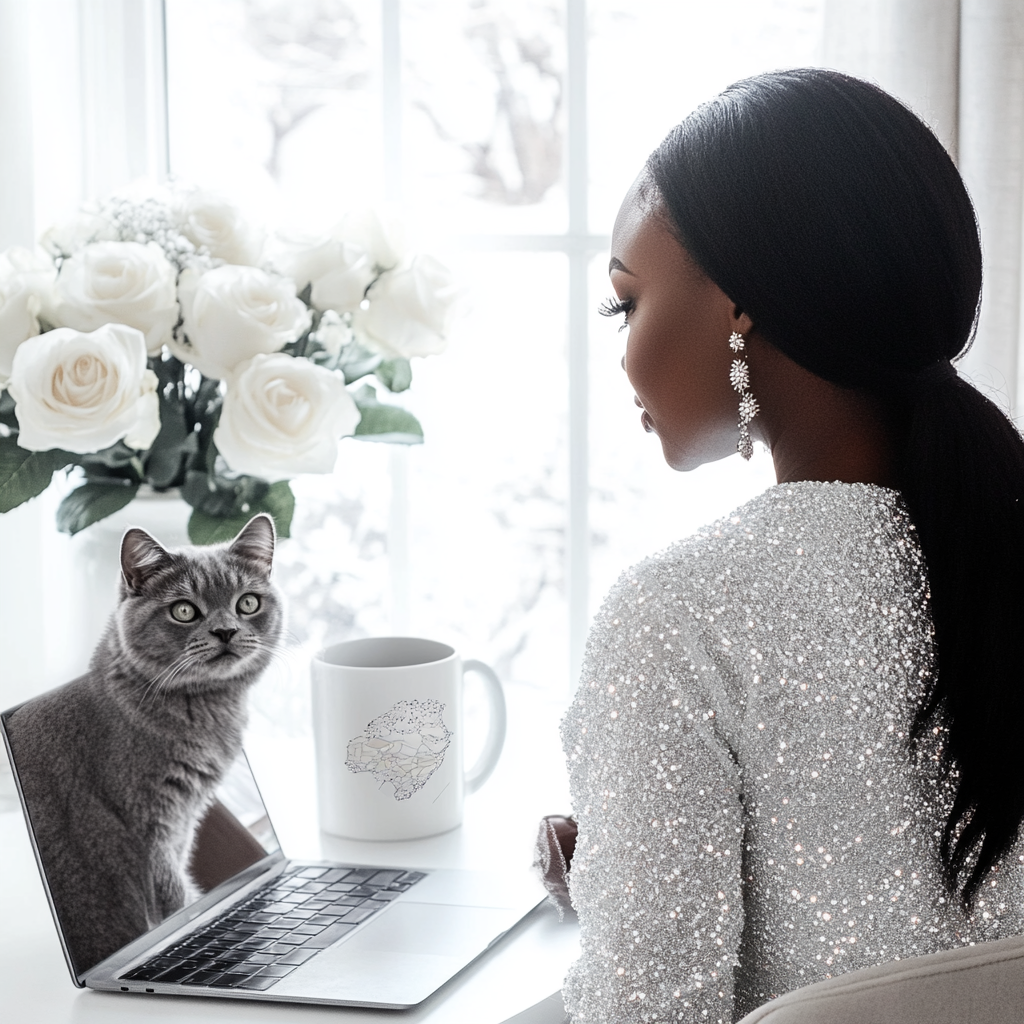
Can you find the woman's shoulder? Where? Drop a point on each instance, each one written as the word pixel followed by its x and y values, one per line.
pixel 794 530
pixel 800 566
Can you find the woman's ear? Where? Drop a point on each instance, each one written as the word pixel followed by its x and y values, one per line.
pixel 741 323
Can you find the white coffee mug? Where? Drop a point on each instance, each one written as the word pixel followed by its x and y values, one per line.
pixel 388 727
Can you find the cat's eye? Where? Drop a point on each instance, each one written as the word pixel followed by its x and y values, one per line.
pixel 184 611
pixel 248 603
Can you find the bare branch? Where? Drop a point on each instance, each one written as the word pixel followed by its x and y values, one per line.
pixel 316 49
pixel 528 99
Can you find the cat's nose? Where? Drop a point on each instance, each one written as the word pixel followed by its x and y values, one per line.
pixel 224 634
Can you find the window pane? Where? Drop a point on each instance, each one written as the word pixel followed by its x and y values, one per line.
pixel 276 103
pixel 650 63
pixel 488 489
pixel 484 117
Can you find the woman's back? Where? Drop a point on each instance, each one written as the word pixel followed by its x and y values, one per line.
pixel 752 814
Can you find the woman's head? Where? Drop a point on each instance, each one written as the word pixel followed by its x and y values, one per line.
pixel 833 217
pixel 676 358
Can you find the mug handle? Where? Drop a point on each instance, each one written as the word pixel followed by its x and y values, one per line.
pixel 481 771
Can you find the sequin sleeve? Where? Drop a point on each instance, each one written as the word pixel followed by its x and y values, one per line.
pixel 744 717
pixel 656 876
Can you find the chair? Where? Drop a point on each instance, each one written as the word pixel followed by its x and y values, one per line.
pixel 981 984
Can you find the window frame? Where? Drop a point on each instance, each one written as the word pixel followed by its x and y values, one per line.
pixel 580 246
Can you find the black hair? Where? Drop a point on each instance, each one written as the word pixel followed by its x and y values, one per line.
pixel 831 215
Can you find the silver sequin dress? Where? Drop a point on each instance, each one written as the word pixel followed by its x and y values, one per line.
pixel 751 816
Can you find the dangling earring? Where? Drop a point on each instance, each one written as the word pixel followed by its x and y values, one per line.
pixel 739 376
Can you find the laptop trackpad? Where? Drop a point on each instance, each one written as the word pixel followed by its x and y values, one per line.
pixel 402 956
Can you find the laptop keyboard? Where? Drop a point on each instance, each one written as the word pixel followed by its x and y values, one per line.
pixel 277 928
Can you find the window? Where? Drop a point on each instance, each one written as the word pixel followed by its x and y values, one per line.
pixel 507 134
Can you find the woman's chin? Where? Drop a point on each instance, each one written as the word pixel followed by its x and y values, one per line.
pixel 686 458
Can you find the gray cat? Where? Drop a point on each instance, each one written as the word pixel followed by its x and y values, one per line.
pixel 119 765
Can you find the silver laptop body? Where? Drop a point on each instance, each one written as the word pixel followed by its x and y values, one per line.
pixel 424 926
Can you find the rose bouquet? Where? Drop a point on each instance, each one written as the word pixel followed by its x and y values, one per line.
pixel 164 342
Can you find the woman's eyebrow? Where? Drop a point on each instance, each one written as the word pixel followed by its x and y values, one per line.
pixel 616 264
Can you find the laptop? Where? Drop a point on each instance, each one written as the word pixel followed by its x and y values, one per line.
pixel 267 928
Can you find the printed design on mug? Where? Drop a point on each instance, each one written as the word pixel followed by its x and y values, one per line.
pixel 404 746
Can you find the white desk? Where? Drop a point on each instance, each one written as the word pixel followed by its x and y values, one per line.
pixel 501 820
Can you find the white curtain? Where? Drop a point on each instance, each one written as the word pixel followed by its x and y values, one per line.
pixel 960 65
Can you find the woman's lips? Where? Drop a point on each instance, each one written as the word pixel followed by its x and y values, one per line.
pixel 645 421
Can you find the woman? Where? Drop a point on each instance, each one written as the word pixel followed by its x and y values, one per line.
pixel 794 748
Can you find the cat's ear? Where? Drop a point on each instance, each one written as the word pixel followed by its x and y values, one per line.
pixel 255 542
pixel 141 557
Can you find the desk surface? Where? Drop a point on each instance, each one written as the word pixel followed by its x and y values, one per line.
pixel 501 820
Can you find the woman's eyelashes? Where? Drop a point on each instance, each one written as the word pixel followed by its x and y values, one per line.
pixel 613 306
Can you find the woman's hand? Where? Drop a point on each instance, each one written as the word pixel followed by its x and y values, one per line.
pixel 556 841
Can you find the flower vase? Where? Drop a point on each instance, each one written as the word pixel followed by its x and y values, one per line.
pixel 96 562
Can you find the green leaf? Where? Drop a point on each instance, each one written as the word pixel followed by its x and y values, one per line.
pixel 395 374
pixel 384 422
pixel 93 501
pixel 173 445
pixel 220 497
pixel 117 456
pixel 389 423
pixel 24 474
pixel 208 398
pixel 169 370
pixel 366 396
pixel 355 362
pixel 205 413
pixel 279 501
pixel 7 416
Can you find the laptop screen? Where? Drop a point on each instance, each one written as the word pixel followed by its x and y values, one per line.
pixel 121 854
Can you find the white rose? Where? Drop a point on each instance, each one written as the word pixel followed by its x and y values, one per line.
pixel 344 279
pixel 284 416
pixel 409 310
pixel 25 283
pixel 84 392
pixel 339 271
pixel 232 313
pixel 207 220
pixel 86 227
pixel 378 233
pixel 118 283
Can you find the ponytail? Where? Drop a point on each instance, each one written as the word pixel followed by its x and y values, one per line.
pixel 834 218
pixel 961 472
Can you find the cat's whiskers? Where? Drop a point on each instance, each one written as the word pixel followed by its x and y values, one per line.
pixel 156 684
pixel 285 640
pixel 270 647
pixel 188 658
pixel 172 667
pixel 288 638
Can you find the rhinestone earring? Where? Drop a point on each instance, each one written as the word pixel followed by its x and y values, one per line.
pixel 739 376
